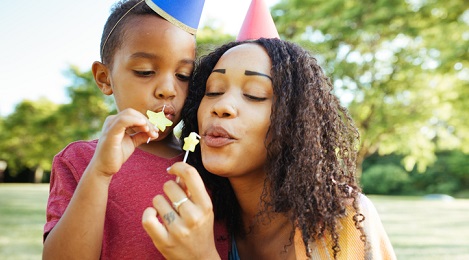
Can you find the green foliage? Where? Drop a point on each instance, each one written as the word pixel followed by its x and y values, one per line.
pixel 384 179
pixel 401 67
pixel 83 117
pixel 209 37
pixel 448 175
pixel 26 136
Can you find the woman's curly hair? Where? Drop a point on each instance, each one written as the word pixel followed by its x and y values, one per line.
pixel 311 150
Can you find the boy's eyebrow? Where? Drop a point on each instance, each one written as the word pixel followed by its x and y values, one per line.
pixel 255 73
pixel 147 55
pixel 187 61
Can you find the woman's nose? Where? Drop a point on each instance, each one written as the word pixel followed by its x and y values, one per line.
pixel 225 108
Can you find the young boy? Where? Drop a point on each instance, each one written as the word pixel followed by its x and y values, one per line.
pixel 100 188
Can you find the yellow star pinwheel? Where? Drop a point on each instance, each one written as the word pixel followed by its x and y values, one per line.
pixel 190 142
pixel 159 120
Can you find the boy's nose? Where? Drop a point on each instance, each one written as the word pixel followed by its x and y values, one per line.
pixel 165 89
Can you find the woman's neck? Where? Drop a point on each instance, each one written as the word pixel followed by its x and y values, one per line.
pixel 267 236
pixel 248 190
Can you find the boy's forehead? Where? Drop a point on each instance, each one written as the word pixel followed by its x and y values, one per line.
pixel 153 38
pixel 141 27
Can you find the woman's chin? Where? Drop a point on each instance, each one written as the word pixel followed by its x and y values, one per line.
pixel 215 167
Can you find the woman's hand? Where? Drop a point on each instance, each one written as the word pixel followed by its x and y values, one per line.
pixel 186 231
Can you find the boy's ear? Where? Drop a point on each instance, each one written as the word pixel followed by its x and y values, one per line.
pixel 102 77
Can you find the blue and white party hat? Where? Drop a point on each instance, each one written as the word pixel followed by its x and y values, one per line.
pixel 185 14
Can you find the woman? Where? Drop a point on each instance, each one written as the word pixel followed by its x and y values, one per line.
pixel 278 153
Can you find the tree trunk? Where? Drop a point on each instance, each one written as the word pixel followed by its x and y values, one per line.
pixel 38 174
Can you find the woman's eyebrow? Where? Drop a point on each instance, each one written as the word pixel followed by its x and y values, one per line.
pixel 255 73
pixel 222 71
pixel 246 72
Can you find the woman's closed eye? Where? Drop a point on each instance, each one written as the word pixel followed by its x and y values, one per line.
pixel 255 98
pixel 213 94
pixel 250 97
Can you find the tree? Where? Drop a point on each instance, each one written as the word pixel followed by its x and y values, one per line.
pixel 83 117
pixel 209 37
pixel 37 130
pixel 401 68
pixel 25 143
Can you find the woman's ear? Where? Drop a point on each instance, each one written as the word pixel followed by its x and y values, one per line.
pixel 102 77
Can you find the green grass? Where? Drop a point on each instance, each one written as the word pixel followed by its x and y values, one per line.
pixel 22 218
pixel 419 229
pixel 425 229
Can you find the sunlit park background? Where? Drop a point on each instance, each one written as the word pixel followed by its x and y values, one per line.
pixel 400 66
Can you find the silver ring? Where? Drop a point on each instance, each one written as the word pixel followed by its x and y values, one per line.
pixel 177 204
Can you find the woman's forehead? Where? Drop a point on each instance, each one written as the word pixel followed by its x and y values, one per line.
pixel 249 56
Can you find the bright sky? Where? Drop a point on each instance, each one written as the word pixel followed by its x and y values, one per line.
pixel 41 39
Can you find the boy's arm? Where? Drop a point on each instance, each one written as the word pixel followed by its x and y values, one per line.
pixel 79 232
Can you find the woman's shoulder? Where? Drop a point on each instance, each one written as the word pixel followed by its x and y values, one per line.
pixel 379 245
pixel 366 206
pixel 363 202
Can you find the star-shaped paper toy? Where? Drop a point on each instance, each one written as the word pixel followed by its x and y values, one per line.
pixel 190 142
pixel 159 120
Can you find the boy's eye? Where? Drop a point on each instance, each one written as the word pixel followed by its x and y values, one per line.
pixel 183 77
pixel 144 73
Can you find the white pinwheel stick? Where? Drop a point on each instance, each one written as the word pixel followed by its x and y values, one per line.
pixel 190 143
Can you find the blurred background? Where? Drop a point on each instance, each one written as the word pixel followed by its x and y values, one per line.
pixel 401 67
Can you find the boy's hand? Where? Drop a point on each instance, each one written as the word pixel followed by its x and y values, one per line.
pixel 187 228
pixel 121 134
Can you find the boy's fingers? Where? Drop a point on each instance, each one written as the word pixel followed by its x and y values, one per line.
pixel 141 138
pixel 131 121
pixel 125 123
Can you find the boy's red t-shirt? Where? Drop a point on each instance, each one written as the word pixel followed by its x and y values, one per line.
pixel 131 191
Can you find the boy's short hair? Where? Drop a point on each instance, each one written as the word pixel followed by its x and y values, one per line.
pixel 113 34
